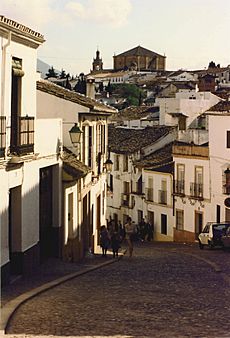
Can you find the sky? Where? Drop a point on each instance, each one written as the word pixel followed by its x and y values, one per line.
pixel 190 33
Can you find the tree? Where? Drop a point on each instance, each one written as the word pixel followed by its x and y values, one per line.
pixel 131 92
pixel 80 86
pixel 63 74
pixel 51 73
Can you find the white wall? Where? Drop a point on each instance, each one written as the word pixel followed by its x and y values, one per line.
pixel 183 104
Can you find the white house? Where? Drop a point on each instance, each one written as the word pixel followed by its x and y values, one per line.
pixel 84 174
pixel 128 179
pixel 30 164
pixel 192 190
pixel 184 109
pixel 219 152
pixel 157 172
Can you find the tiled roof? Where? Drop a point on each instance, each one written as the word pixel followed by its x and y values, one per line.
pixel 17 27
pixel 139 51
pixel 73 166
pixel 134 113
pixel 222 106
pixel 73 96
pixel 157 159
pixel 128 141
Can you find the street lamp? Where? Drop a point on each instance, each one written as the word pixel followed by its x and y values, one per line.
pixel 75 135
pixel 108 163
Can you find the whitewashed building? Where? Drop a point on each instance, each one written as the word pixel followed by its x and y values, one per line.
pixel 30 164
pixel 130 178
pixel 219 153
pixel 84 175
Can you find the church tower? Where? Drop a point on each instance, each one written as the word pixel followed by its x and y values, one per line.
pixel 97 62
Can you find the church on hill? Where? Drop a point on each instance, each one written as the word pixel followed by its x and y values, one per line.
pixel 140 59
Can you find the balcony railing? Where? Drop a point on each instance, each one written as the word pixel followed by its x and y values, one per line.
pixel 149 194
pixel 23 141
pixel 196 190
pixel 2 135
pixel 162 196
pixel 179 187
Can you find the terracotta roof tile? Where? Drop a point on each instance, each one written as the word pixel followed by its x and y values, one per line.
pixel 73 96
pixel 139 51
pixel 72 165
pixel 161 157
pixel 222 106
pixel 127 141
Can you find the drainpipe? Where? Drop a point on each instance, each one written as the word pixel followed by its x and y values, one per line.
pixel 4 47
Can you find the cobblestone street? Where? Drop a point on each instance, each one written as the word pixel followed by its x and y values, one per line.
pixel 163 291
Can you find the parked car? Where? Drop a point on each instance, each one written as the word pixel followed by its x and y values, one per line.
pixel 226 238
pixel 212 234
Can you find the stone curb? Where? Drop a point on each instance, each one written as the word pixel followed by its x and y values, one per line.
pixel 9 308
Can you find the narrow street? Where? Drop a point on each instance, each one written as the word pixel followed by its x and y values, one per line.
pixel 163 291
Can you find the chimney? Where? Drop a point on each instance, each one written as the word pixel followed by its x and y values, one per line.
pixel 90 87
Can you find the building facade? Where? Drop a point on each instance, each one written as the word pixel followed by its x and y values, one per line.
pixel 139 59
pixel 30 169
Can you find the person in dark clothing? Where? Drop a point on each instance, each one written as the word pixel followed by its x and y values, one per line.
pixel 115 243
pixel 150 231
pixel 121 231
pixel 104 240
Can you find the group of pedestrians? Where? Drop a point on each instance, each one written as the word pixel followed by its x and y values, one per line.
pixel 114 234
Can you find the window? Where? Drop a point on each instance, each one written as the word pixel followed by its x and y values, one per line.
pixel 228 138
pixel 103 139
pixel 2 135
pixel 149 190
pixel 90 149
pixel 139 215
pixel 83 144
pixel 180 174
pixel 116 162
pixel 98 131
pixel 163 192
pixel 179 219
pixel 182 123
pixel 196 188
pixel 125 163
pixel 16 94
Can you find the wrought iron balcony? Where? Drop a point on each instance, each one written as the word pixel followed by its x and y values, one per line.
pixel 2 135
pixel 22 138
pixel 179 187
pixel 162 197
pixel 196 190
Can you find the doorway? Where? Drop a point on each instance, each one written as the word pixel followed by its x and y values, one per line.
pixel 47 243
pixel 15 230
pixel 198 223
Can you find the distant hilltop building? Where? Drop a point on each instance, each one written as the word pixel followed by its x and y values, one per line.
pixel 140 59
pixel 97 62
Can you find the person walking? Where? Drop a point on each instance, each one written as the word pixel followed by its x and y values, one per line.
pixel 130 231
pixel 104 240
pixel 115 242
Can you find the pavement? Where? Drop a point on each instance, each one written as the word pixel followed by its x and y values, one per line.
pixel 54 272
pixel 48 275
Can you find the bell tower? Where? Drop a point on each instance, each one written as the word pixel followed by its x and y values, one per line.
pixel 97 62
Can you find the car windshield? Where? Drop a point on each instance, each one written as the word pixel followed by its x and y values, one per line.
pixel 219 229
